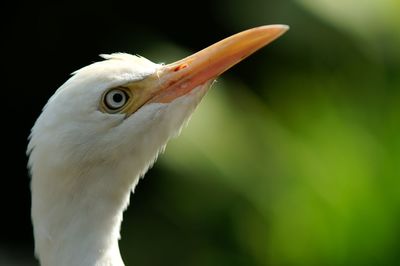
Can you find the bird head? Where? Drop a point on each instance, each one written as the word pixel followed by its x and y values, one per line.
pixel 105 126
pixel 124 109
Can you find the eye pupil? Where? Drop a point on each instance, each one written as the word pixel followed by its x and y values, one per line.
pixel 117 97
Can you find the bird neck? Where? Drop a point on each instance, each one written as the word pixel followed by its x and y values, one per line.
pixel 78 222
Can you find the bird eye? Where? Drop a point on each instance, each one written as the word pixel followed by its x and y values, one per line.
pixel 115 99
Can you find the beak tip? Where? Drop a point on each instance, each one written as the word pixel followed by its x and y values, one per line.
pixel 285 27
pixel 281 28
pixel 270 32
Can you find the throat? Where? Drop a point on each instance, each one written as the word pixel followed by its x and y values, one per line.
pixel 89 242
pixel 78 226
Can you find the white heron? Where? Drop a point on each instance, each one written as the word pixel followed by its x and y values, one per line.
pixel 101 131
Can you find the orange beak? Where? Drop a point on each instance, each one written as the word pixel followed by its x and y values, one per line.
pixel 179 78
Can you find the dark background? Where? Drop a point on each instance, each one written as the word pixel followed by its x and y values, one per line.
pixel 310 175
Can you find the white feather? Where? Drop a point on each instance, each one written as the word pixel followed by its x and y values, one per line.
pixel 84 162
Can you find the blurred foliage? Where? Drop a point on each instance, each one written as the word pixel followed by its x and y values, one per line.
pixel 299 165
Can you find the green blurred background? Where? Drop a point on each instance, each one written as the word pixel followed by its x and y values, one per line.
pixel 293 157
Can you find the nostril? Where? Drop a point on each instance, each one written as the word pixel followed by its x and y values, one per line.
pixel 181 66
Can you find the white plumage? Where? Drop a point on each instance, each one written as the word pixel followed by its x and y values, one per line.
pixel 85 156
